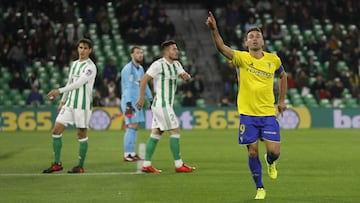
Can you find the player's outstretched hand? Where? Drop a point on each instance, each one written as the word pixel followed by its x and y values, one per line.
pixel 185 76
pixel 210 21
pixel 53 94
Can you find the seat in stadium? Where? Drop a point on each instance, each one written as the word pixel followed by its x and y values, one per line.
pixel 351 103
pixel 325 103
pixel 201 103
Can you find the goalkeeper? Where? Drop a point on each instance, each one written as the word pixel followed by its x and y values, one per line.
pixel 131 75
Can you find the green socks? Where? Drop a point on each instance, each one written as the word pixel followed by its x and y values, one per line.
pixel 150 146
pixel 175 146
pixel 57 144
pixel 83 149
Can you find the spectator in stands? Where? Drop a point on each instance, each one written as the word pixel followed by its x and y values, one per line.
pixel 4 50
pixel 191 68
pixel 295 42
pixel 334 43
pixel 33 81
pixel 229 79
pixel 103 88
pixel 302 83
pixel 110 71
pixel 291 59
pixel 112 87
pixel 197 86
pixel 318 87
pixel 184 87
pixel 291 81
pixel 336 89
pixel 17 57
pixel 263 6
pixel 104 26
pixel 311 67
pixel 224 102
pixel 74 32
pixel 69 14
pixel 275 32
pixel 333 72
pixel 251 22
pixel 98 100
pixel 17 82
pixel 347 48
pixel 344 78
pixel 112 100
pixel 189 100
pixel 354 81
pixel 168 28
pixel 89 15
pixel 35 98
pixel 51 49
pixel 283 55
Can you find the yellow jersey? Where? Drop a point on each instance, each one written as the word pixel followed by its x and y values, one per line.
pixel 256 82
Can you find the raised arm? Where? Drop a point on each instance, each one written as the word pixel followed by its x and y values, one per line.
pixel 218 41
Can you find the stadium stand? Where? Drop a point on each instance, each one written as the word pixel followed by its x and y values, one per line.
pixel 311 37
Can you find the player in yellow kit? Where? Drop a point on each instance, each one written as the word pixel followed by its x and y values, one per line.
pixel 256 72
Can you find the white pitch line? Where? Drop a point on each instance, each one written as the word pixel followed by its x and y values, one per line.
pixel 68 174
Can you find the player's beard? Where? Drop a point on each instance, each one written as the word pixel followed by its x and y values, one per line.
pixel 175 57
pixel 255 49
pixel 139 60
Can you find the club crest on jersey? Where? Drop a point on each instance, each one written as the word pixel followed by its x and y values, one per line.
pixel 88 72
pixel 268 64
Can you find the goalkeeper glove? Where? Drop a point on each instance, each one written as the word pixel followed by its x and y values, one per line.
pixel 129 111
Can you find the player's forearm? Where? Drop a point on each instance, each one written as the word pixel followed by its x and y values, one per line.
pixel 148 92
pixel 143 83
pixel 219 44
pixel 283 87
pixel 80 82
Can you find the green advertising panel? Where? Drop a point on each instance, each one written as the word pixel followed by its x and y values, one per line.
pixel 31 119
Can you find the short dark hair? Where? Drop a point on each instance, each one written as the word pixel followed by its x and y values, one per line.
pixel 85 41
pixel 166 44
pixel 254 29
pixel 133 48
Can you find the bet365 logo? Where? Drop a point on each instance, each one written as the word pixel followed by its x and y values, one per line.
pixel 345 121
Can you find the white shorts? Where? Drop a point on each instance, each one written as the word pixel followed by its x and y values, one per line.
pixel 78 117
pixel 164 118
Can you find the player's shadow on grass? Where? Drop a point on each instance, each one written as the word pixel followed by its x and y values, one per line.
pixel 8 155
pixel 254 200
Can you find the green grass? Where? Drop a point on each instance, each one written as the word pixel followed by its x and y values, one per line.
pixel 316 165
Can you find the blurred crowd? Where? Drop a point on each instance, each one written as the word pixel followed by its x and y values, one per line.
pixel 317 41
pixel 31 33
pixel 325 64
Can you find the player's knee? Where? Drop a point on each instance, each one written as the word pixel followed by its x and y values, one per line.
pixel 58 129
pixel 253 152
pixel 82 133
pixel 273 154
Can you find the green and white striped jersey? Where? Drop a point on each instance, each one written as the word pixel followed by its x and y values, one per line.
pixel 165 76
pixel 79 88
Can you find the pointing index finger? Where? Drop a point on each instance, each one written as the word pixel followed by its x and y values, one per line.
pixel 211 15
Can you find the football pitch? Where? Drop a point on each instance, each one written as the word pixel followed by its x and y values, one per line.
pixel 316 165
